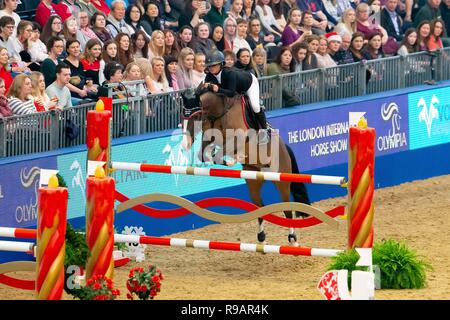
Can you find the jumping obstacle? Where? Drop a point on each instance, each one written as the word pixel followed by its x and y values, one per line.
pixel 229 173
pixel 197 244
pixel 15 246
pixel 361 141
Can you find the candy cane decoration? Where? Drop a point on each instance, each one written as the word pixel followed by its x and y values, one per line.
pixel 361 186
pixel 51 235
pixel 99 224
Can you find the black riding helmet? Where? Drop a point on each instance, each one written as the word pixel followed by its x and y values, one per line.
pixel 215 57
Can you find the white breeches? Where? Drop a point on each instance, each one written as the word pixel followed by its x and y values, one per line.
pixel 253 95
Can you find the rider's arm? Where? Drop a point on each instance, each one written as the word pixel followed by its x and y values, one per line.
pixel 228 85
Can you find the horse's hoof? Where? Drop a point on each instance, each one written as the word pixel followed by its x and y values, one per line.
pixel 261 237
pixel 292 239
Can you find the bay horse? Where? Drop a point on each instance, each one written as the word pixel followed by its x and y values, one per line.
pixel 217 112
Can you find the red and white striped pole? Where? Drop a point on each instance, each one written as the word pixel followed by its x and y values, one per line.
pixel 198 244
pixel 228 173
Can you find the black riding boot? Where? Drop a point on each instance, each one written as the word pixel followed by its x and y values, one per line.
pixel 263 136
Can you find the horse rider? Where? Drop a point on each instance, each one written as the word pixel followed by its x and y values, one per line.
pixel 231 81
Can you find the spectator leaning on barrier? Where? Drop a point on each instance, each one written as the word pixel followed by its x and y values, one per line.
pixel 356 46
pixel 339 55
pixel 306 60
pixel 113 74
pixel 18 96
pixel 436 32
pixel 324 60
pixel 373 49
pixel 58 89
pixel 423 33
pixel 284 63
pixel 409 43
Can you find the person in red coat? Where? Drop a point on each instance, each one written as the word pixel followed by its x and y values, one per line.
pixel 5 73
pixel 47 8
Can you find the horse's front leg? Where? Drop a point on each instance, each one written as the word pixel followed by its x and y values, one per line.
pixel 284 190
pixel 254 187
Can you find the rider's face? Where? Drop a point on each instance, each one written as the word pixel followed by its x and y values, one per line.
pixel 214 69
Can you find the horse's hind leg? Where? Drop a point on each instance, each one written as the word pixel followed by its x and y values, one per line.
pixel 284 189
pixel 254 188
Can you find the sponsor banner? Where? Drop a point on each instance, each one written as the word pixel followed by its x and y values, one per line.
pixel 19 184
pixel 319 138
pixel 429 118
pixel 165 150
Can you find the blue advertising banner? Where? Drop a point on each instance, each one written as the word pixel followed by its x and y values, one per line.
pixel 19 184
pixel 429 118
pixel 319 137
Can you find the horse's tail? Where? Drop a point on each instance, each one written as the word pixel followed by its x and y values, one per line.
pixel 298 189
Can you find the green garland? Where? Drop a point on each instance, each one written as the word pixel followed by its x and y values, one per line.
pixel 400 266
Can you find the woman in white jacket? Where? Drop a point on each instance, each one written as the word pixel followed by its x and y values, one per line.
pixel 36 48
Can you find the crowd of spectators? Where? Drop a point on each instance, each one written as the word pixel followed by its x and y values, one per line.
pixel 73 48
